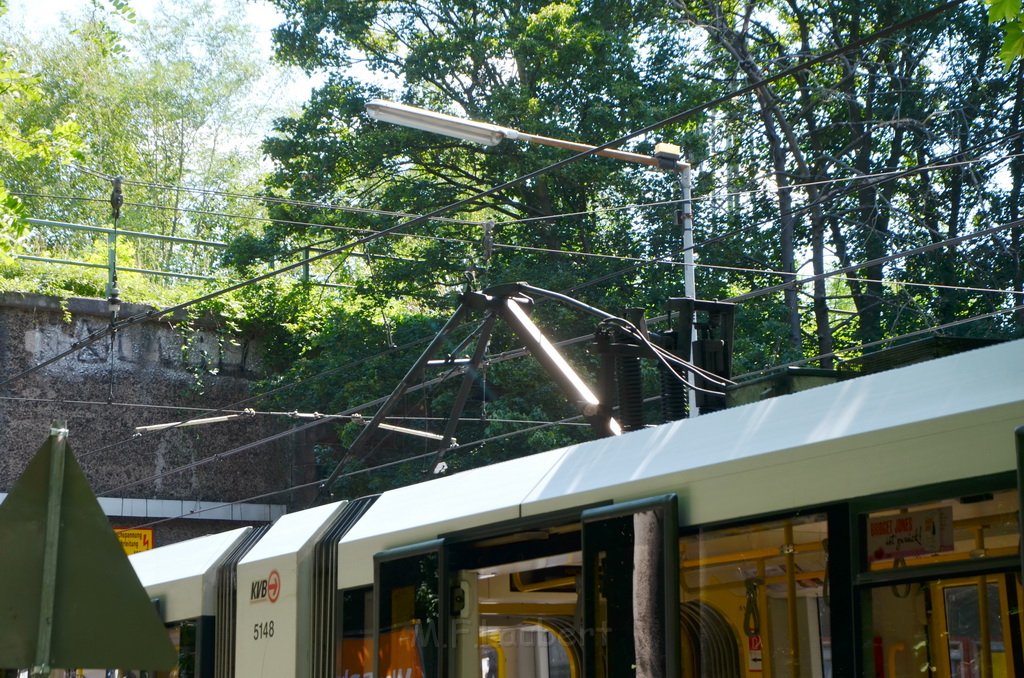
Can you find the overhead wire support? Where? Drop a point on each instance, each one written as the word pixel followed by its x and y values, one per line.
pixel 462 446
pixel 113 293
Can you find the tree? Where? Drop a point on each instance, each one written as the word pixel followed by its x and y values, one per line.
pixel 578 70
pixel 876 111
pixel 57 142
pixel 160 106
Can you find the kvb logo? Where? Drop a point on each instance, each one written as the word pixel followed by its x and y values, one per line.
pixel 261 590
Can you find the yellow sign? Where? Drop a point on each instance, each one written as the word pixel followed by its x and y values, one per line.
pixel 134 540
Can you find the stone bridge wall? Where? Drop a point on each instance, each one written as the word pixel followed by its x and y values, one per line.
pixel 150 380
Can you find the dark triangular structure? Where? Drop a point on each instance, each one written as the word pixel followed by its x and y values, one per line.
pixel 70 598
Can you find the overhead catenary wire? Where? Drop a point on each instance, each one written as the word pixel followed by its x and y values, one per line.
pixel 796 282
pixel 251 445
pixel 714 195
pixel 258 413
pixel 877 261
pixel 521 352
pixel 274 200
pixel 572 420
pixel 793 212
pixel 664 261
pixel 885 176
pixel 722 195
pixel 285 387
pixel 879 342
pixel 231 452
pixel 658 260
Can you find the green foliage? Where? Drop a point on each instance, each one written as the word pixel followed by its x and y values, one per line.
pixel 802 175
pixel 592 71
pixel 1006 13
pixel 59 141
pixel 158 105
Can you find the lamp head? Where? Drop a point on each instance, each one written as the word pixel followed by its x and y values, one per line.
pixel 668 155
pixel 438 123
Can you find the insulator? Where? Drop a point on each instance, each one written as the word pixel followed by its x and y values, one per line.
pixel 631 393
pixel 674 395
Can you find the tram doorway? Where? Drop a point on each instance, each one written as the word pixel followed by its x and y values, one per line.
pixel 945 599
pixel 960 628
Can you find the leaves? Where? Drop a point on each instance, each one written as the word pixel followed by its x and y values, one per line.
pixel 1003 10
pixel 1013 42
pixel 1006 13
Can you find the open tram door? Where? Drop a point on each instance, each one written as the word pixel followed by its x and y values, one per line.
pixel 631 589
pixel 410 605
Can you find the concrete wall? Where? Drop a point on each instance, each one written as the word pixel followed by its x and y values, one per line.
pixel 152 379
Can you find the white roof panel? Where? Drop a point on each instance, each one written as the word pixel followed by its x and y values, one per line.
pixel 930 422
pixel 920 424
pixel 184 574
pixel 423 511
pixel 292 532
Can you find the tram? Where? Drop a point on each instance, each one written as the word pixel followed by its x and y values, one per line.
pixel 870 527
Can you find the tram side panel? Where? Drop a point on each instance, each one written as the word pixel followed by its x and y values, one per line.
pixel 274 597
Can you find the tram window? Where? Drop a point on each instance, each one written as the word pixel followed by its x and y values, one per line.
pixel 898 640
pixel 972 621
pixel 943 531
pixel 754 600
pixel 409 609
pixel 354 642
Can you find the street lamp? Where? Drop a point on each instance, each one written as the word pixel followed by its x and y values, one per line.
pixel 666 157
pixel 489 135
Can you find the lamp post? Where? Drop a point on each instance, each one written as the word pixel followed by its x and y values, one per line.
pixel 666 157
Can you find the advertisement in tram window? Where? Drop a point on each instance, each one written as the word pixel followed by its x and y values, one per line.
pixel 913 533
pixel 400 655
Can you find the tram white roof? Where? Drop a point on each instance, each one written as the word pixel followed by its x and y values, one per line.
pixel 293 532
pixel 925 423
pixel 184 574
pixel 406 515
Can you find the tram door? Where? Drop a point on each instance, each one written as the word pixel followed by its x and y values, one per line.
pixel 631 590
pixel 943 594
pixel 958 628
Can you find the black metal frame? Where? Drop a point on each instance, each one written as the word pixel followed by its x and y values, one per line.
pixel 667 506
pixel 431 547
